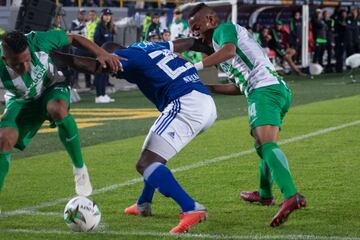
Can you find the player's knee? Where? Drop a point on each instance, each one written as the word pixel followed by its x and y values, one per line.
pixel 141 165
pixel 57 109
pixel 8 139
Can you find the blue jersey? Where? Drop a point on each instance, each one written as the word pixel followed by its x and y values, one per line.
pixel 159 73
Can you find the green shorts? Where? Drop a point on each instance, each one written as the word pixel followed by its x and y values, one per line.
pixel 268 105
pixel 28 116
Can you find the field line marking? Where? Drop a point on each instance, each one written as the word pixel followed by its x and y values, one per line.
pixel 187 235
pixel 133 181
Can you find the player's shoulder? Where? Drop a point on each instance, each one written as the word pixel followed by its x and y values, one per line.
pixel 41 37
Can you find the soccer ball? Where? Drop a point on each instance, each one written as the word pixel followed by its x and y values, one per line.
pixel 82 214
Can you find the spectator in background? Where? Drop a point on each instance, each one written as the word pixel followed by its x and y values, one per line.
pixel 146 23
pixel 163 20
pixel 319 30
pixel 91 24
pixel 178 27
pixel 78 26
pixel 89 30
pixel 296 34
pixel 154 25
pixel 57 24
pixel 256 30
pixel 279 43
pixel 330 33
pixel 153 36
pixel 104 32
pixel 165 35
pixel 352 33
pixel 340 29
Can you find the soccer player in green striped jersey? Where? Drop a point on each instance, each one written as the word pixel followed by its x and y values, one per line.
pixel 36 91
pixel 268 97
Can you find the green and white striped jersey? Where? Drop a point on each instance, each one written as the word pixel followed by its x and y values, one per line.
pixel 42 74
pixel 250 68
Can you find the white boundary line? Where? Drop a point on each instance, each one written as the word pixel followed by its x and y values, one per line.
pixel 32 209
pixel 187 235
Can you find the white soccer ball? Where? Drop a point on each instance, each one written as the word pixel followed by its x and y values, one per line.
pixel 82 214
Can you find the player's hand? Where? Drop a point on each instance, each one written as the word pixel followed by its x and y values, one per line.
pixel 110 60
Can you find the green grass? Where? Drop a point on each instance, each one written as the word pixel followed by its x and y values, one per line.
pixel 325 168
pixel 304 90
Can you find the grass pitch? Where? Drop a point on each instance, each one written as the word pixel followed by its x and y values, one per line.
pixel 320 140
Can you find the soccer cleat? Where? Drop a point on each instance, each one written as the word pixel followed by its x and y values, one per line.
pixel 288 206
pixel 82 181
pixel 189 219
pixel 255 197
pixel 143 209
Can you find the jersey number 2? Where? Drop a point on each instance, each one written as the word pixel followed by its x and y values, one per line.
pixel 163 63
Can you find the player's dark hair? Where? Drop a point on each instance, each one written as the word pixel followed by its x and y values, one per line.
pixel 15 41
pixel 196 9
pixel 112 46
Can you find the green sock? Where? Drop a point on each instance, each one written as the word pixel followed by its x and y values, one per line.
pixel 4 166
pixel 276 160
pixel 69 136
pixel 265 179
pixel 265 187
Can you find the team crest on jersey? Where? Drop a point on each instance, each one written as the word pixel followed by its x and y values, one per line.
pixel 225 67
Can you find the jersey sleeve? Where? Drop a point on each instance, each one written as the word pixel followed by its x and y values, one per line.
pixel 225 33
pixel 49 40
pixel 167 45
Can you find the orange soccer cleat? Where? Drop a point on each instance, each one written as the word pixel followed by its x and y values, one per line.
pixel 143 209
pixel 189 219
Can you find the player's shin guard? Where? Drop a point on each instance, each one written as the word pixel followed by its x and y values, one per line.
pixel 276 160
pixel 159 176
pixel 4 166
pixel 265 179
pixel 265 187
pixel 147 194
pixel 69 136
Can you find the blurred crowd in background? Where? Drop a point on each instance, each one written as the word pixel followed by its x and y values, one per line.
pixel 334 34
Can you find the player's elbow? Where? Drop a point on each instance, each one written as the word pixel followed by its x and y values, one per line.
pixel 230 50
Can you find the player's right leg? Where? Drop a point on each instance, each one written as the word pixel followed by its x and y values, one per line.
pixel 158 176
pixel 9 134
pixel 57 102
pixel 264 194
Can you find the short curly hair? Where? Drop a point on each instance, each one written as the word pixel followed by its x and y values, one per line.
pixel 15 41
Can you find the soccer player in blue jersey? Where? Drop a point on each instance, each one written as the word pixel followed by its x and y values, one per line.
pixel 187 109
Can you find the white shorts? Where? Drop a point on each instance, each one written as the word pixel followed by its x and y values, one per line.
pixel 179 123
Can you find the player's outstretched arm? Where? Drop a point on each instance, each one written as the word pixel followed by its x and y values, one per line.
pixel 79 63
pixel 105 58
pixel 226 89
pixel 227 52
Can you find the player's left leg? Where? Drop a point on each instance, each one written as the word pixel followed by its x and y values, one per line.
pixel 57 101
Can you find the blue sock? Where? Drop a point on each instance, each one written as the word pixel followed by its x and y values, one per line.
pixel 159 176
pixel 147 194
